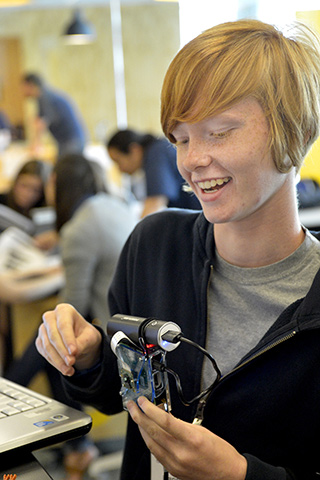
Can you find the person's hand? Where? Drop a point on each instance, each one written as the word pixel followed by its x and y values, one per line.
pixel 67 340
pixel 188 452
pixel 46 240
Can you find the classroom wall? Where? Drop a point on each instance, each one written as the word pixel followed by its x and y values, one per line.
pixel 311 167
pixel 150 40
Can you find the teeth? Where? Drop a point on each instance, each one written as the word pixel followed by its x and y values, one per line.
pixel 213 183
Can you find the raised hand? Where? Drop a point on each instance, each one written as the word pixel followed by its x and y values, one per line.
pixel 67 340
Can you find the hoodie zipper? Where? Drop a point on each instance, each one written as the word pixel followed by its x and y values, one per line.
pixel 264 350
pixel 202 403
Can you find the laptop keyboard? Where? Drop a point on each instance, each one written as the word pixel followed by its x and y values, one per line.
pixel 14 401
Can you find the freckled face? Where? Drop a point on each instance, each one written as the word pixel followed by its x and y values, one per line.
pixel 227 162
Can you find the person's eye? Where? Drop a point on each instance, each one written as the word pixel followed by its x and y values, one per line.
pixel 182 141
pixel 220 135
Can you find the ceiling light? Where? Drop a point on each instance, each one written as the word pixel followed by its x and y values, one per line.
pixel 79 31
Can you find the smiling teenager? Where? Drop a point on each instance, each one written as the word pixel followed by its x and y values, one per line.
pixel 241 104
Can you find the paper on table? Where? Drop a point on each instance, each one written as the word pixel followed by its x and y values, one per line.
pixel 18 252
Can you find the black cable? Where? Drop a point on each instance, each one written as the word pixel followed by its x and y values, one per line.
pixel 175 338
pixel 205 352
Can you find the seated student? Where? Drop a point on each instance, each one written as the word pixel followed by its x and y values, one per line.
pixel 156 157
pixel 93 227
pixel 28 187
pixel 241 104
pixel 27 192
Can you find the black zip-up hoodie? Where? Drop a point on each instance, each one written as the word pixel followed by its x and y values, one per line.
pixel 268 407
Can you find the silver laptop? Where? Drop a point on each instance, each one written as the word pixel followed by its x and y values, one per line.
pixel 11 218
pixel 29 421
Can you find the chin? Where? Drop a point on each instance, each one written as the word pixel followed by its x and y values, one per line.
pixel 213 218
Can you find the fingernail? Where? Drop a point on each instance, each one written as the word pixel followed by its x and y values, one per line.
pixel 140 402
pixel 67 371
pixel 67 360
pixel 129 405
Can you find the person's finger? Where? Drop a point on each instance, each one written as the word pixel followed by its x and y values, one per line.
pixel 165 421
pixel 156 439
pixel 155 426
pixel 68 336
pixel 154 423
pixel 47 350
pixel 59 342
pixel 60 328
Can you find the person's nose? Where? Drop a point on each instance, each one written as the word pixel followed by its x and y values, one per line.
pixel 197 156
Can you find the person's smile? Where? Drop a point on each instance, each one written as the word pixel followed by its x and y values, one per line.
pixel 212 185
pixel 227 162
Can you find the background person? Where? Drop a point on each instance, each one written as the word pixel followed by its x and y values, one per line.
pixel 156 158
pixel 28 187
pixel 93 227
pixel 241 278
pixel 57 113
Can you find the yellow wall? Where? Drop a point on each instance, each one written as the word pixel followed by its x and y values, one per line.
pixel 311 167
pixel 150 40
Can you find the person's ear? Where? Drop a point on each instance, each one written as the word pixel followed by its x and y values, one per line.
pixel 136 153
pixel 135 148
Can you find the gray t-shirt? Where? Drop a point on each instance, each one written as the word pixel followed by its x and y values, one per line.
pixel 243 303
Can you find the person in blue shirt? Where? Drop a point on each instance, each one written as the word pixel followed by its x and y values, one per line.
pixel 156 158
pixel 58 114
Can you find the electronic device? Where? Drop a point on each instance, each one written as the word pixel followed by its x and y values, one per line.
pixel 29 421
pixel 141 371
pixel 141 345
pixel 150 329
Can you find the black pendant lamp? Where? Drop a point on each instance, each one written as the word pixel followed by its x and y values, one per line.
pixel 79 31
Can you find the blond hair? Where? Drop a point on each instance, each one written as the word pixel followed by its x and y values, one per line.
pixel 249 58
